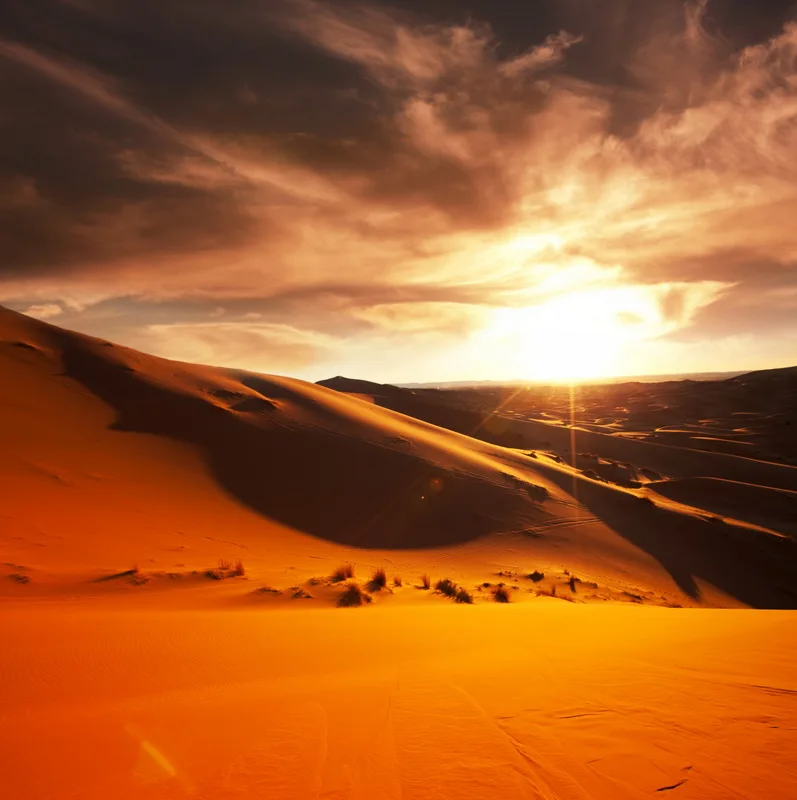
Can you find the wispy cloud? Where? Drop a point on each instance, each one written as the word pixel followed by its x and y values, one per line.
pixel 416 175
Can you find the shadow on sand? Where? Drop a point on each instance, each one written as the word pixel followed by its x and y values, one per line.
pixel 333 486
pixel 750 566
pixel 359 493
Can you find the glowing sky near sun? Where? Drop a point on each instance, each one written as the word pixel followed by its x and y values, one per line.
pixel 407 192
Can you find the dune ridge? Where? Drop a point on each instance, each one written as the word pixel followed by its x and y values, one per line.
pixel 217 584
pixel 278 460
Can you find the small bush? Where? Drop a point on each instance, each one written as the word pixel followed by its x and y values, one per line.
pixel 447 587
pixel 397 580
pixel 463 596
pixel 352 596
pixel 426 582
pixel 536 576
pixel 501 594
pixel 226 569
pixel 342 573
pixel 378 580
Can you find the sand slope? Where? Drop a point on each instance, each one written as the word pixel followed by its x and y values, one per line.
pixel 134 667
pixel 113 458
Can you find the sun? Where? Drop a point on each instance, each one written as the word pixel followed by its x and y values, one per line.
pixel 573 337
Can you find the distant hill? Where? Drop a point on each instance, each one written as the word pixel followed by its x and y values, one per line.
pixel 355 386
pixel 687 376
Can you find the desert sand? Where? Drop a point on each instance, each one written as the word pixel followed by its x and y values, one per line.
pixel 172 538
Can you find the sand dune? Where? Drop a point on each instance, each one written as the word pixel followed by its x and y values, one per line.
pixel 115 459
pixel 136 665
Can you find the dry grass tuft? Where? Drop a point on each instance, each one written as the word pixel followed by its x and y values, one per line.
pixel 501 594
pixel 378 580
pixel 397 580
pixel 353 596
pixel 343 573
pixel 426 582
pixel 447 587
pixel 226 569
pixel 463 596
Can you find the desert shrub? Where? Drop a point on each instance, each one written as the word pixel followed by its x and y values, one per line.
pixel 446 586
pixel 378 580
pixel 352 596
pixel 226 569
pixel 463 596
pixel 501 594
pixel 342 573
pixel 397 580
pixel 536 576
pixel 426 582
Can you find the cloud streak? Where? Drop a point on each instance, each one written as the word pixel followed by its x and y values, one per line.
pixel 431 176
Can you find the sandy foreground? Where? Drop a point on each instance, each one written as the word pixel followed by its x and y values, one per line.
pixel 550 701
pixel 171 622
pixel 545 701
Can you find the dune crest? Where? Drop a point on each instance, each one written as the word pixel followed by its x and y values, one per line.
pixel 187 464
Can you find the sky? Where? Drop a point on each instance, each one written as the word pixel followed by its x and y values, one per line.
pixel 406 191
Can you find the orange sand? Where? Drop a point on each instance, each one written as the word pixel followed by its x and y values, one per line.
pixel 131 669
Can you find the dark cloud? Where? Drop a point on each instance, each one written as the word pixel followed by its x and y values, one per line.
pixel 344 168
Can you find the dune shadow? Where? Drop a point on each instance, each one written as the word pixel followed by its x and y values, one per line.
pixel 333 486
pixel 747 565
